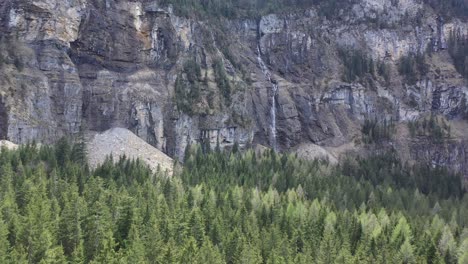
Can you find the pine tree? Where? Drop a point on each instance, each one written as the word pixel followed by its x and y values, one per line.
pixel 210 254
pixel 8 206
pixel 171 252
pixel 4 244
pixel 344 256
pixel 63 151
pixel 196 225
pixel 54 255
pixel 38 233
pixel 447 244
pixel 406 253
pixel 189 252
pixel 70 232
pixel 78 152
pixel 152 240
pixel 250 254
pixel 328 245
pixel 136 248
pixel 463 252
pixel 99 241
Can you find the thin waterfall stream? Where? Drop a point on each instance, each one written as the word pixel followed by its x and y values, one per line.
pixel 274 91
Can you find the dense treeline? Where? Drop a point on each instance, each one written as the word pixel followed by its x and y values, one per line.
pixel 251 8
pixel 326 8
pixel 226 208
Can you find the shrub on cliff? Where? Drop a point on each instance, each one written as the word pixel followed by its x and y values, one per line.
pixel 222 80
pixel 187 87
pixel 413 67
pixel 458 49
pixel 356 64
pixel 377 132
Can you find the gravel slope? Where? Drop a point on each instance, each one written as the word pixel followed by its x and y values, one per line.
pixel 312 151
pixel 120 141
pixel 8 144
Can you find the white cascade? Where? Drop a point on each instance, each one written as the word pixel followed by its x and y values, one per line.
pixel 274 91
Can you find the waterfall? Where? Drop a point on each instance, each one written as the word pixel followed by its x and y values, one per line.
pixel 274 91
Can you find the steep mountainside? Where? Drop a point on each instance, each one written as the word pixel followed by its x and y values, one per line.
pixel 373 75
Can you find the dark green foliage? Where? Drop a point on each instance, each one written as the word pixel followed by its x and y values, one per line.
pixel 458 49
pixel 464 108
pixel 357 64
pixel 384 71
pixel 432 127
pixel 227 208
pixel 253 8
pixel 13 51
pixel 192 70
pixel 78 152
pixel 18 64
pixel 187 87
pixel 2 59
pixel 387 168
pixel 377 132
pixel 222 80
pixel 413 67
pixel 226 46
pixel 63 151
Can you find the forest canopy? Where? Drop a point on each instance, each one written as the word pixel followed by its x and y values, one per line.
pixel 227 208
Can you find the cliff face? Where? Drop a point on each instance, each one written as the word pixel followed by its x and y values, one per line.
pixel 86 65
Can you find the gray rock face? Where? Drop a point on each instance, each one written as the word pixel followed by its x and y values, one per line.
pixel 75 65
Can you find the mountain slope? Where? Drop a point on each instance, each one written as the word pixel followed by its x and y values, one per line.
pixel 285 79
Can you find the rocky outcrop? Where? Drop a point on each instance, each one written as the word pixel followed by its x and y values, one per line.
pixel 83 65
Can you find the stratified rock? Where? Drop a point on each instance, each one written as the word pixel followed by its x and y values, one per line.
pixel 71 66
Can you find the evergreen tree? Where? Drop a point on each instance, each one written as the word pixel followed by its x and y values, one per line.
pixel 136 248
pixel 250 254
pixel 4 244
pixel 463 252
pixel 328 245
pixel 210 254
pixel 406 253
pixel 70 232
pixel 99 239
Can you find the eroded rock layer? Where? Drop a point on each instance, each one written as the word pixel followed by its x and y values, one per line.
pixel 286 80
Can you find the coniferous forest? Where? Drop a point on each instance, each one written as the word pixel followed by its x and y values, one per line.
pixel 227 208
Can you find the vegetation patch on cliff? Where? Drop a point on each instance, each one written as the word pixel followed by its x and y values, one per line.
pixel 188 87
pixel 374 131
pixel 413 67
pixel 433 127
pixel 458 49
pixel 253 8
pixel 222 80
